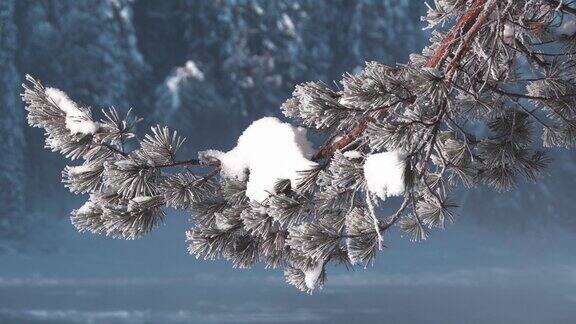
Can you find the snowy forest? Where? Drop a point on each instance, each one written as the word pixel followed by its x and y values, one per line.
pixel 226 72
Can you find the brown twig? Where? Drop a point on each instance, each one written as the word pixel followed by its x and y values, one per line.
pixel 469 24
pixel 487 8
pixel 329 149
pixel 462 26
pixel 394 218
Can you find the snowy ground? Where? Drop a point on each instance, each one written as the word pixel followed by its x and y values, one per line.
pixel 463 275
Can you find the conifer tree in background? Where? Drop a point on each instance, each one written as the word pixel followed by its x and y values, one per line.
pixel 479 106
pixel 11 131
pixel 52 39
pixel 244 57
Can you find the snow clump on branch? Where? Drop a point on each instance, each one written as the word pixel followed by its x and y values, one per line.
pixel 384 173
pixel 77 120
pixel 268 151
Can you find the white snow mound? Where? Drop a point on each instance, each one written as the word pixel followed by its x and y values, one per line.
pixel 269 150
pixel 384 173
pixel 77 121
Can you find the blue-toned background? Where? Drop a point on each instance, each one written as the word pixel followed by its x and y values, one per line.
pixel 207 68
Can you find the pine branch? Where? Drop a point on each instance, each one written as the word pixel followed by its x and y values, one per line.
pixel 194 162
pixel 328 150
pixel 479 19
pixel 469 24
pixel 113 149
pixel 462 27
pixel 393 131
pixel 562 6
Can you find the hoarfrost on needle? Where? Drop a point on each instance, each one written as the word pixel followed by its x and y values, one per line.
pixel 311 275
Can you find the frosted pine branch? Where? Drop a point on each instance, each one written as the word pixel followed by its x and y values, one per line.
pixel 409 130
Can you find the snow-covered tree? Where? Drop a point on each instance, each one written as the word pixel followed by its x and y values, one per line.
pixel 494 89
pixel 95 35
pixel 253 52
pixel 11 129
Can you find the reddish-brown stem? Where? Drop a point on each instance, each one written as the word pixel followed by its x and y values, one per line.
pixel 488 7
pixel 467 26
pixel 462 26
pixel 329 149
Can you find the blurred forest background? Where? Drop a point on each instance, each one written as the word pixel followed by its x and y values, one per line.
pixel 207 68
